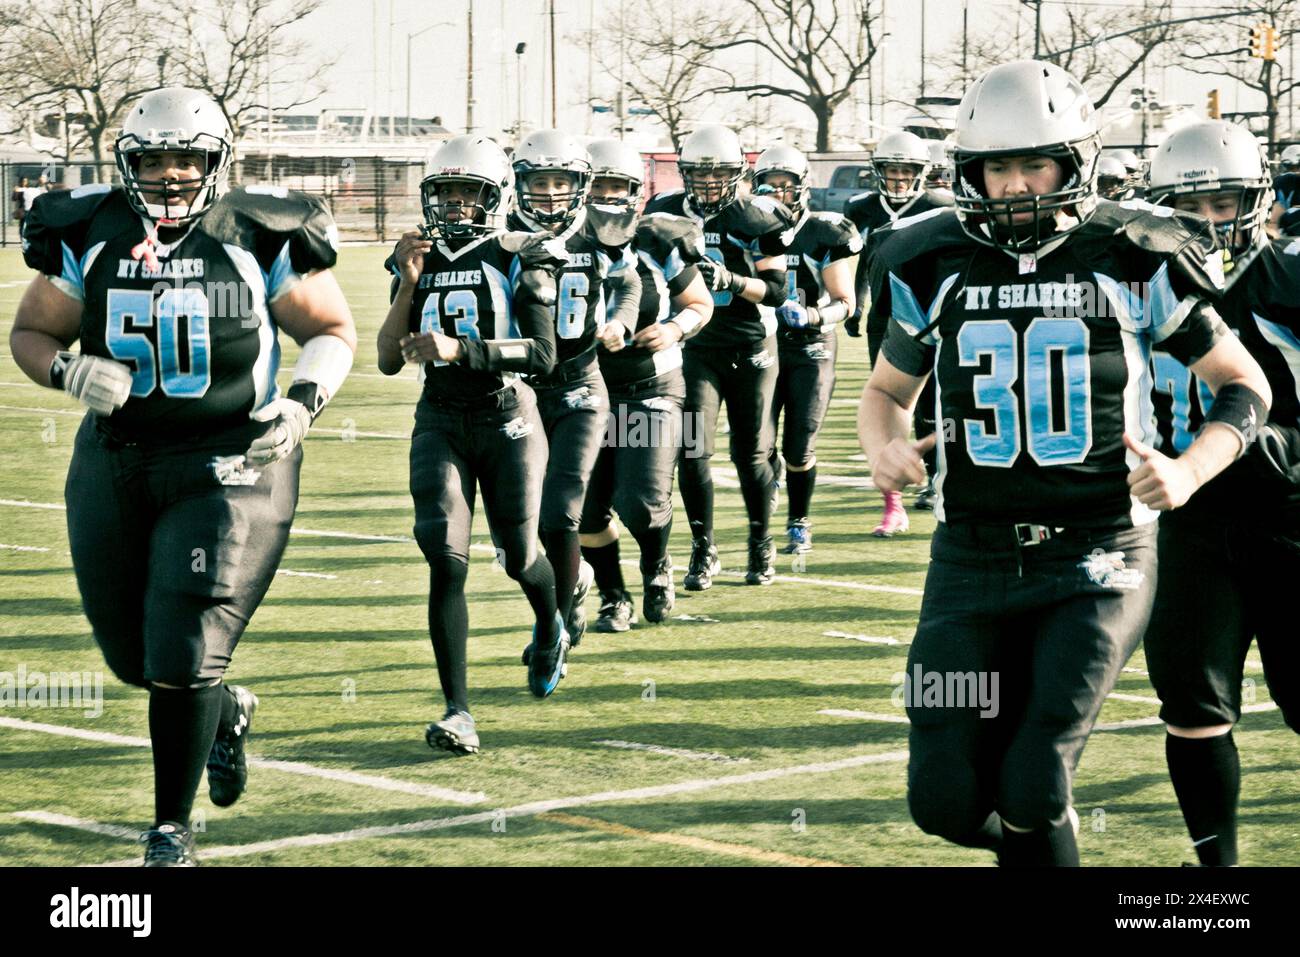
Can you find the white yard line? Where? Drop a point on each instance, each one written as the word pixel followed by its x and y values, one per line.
pixel 865 715
pixel 869 639
pixel 673 752
pixel 293 574
pixel 288 767
pixel 94 827
pixel 24 548
pixel 1135 698
pixel 537 807
pixel 317 430
pixel 43 411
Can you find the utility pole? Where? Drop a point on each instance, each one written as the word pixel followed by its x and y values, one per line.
pixel 965 73
pixel 923 5
pixel 622 79
pixel 591 34
pixel 554 120
pixel 469 69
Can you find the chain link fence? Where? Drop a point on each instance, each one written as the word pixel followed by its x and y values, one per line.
pixel 371 198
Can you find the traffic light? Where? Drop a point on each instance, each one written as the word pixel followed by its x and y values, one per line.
pixel 1212 105
pixel 1263 42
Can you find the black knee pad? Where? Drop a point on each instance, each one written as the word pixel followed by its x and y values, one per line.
pixel 448 570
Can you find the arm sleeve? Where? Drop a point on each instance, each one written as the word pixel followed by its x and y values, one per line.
pixel 625 289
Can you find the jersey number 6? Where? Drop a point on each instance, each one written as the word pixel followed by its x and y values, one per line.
pixel 1056 436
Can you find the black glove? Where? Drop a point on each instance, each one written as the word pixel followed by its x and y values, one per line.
pixel 853 325
pixel 1275 456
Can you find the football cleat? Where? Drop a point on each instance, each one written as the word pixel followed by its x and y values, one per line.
pixel 617 613
pixel 168 845
pixel 546 666
pixel 925 497
pixel 658 598
pixel 454 733
pixel 576 626
pixel 894 520
pixel 799 534
pixel 761 567
pixel 703 566
pixel 227 762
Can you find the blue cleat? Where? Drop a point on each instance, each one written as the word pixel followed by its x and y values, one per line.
pixel 546 666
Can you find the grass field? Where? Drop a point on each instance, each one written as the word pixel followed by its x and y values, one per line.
pixel 742 688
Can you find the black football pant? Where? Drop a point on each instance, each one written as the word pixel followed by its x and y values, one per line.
pixel 1054 623
pixel 803 393
pixel 634 470
pixel 745 379
pixel 170 562
pixel 1222 585
pixel 496 442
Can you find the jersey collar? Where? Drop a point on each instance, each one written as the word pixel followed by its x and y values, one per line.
pixel 453 254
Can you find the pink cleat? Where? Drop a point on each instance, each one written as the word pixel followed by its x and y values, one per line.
pixel 895 518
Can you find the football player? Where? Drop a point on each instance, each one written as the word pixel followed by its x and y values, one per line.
pixel 1226 570
pixel 1034 307
pixel 643 372
pixel 552 180
pixel 901 162
pixel 733 359
pixel 1290 159
pixel 472 304
pixel 820 264
pixel 184 476
pixel 1113 180
pixel 1284 216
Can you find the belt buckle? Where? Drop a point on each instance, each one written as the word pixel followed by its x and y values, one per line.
pixel 1030 534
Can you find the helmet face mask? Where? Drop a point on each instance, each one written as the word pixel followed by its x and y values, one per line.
pixel 175 128
pixel 712 165
pixel 901 163
pixel 1019 109
pixel 782 172
pixel 1212 163
pixel 616 168
pixel 466 189
pixel 544 160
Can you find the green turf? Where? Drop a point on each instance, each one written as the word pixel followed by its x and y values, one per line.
pixel 347 682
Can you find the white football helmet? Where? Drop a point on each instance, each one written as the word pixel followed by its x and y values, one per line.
pixel 175 120
pixel 709 149
pixel 474 159
pixel 1216 157
pixel 1113 179
pixel 1290 159
pixel 788 160
pixel 1027 107
pixel 545 151
pixel 615 159
pixel 901 149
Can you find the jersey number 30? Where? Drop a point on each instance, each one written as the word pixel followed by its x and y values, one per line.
pixel 1055 436
pixel 180 362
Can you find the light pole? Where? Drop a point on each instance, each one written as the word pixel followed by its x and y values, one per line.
pixel 519 89
pixel 409 38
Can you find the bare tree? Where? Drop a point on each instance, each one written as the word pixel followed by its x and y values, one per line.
pixel 233 44
pixel 1223 49
pixel 663 74
pixel 1076 36
pixel 81 61
pixel 823 47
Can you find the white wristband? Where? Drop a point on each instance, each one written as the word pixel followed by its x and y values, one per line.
pixel 326 361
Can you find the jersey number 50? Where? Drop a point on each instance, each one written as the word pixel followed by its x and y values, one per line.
pixel 1049 444
pixel 182 321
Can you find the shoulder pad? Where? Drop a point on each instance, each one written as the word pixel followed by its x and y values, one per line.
pixel 937 198
pixel 661 233
pixel 62 217
pixel 613 226
pixel 264 219
pixel 915 236
pixel 834 229
pixel 754 216
pixel 672 201
pixel 1157 229
pixel 534 249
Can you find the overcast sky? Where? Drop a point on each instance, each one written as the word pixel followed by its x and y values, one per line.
pixel 372 68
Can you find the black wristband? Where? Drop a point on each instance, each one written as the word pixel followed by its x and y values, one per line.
pixel 58 367
pixel 1241 409
pixel 309 394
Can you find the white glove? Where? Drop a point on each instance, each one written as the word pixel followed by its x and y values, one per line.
pixel 291 422
pixel 102 385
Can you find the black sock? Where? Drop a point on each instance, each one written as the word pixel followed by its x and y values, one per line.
pixel 183 725
pixel 757 494
pixel 449 628
pixel 565 555
pixel 697 495
pixel 603 560
pixel 538 584
pixel 799 490
pixel 1206 773
pixel 653 543
pixel 229 712
pixel 1053 846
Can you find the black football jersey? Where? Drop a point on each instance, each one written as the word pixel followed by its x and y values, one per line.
pixel 819 240
pixel 496 294
pixel 750 229
pixel 596 244
pixel 1042 361
pixel 872 214
pixel 1262 306
pixel 197 329
pixel 667 250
